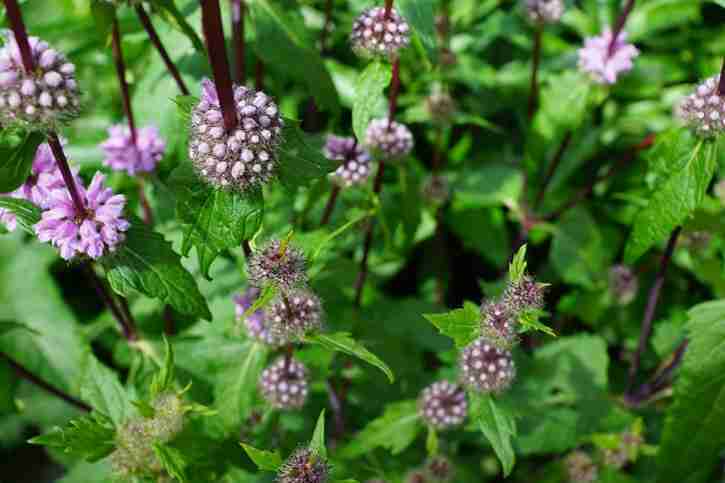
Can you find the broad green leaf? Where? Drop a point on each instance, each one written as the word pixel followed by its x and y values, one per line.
pixel 420 14
pixel 491 185
pixel 317 443
pixel 395 430
pixel 343 342
pixel 146 263
pixel 172 460
pixel 499 427
pixel 16 159
pixel 164 378
pixel 300 162
pixel 26 213
pixel 673 201
pixel 369 99
pixel 578 250
pixel 216 220
pixel 88 437
pixel 694 432
pixel 462 325
pixel 236 387
pixel 265 460
pixel 102 390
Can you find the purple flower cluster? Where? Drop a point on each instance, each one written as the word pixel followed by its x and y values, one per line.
pixel 255 323
pixel 354 168
pixel 374 35
pixel 388 140
pixel 596 59
pixel 123 155
pixel 704 109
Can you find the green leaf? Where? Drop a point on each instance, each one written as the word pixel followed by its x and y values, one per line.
pixel 102 390
pixel 499 427
pixel 420 15
pixel 16 159
pixel 236 387
pixel 462 325
pixel 369 98
pixel 265 460
pixel 578 249
pixel 673 201
pixel 300 162
pixel 216 220
pixel 395 430
pixel 517 266
pixel 8 325
pixel 431 442
pixel 172 460
pixel 184 105
pixel 343 342
pixel 694 432
pixel 317 444
pixel 26 213
pixel 104 14
pixel 88 437
pixel 529 320
pixel 169 12
pixel 146 263
pixel 277 26
pixel 164 379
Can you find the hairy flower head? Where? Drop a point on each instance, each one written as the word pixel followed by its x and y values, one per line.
pixel 304 466
pixel 604 66
pixel 354 166
pixel 388 140
pixel 284 383
pixel 293 314
pixel 278 263
pixel 485 367
pixel 375 36
pixel 443 405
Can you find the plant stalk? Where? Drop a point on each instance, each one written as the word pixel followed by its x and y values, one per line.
pixel 721 84
pixel 367 243
pixel 62 162
pixel 121 74
pixel 552 168
pixel 238 11
pixel 123 317
pixel 15 17
pixel 330 206
pixel 619 26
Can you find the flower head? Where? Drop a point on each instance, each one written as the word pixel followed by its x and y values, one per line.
pixel 388 140
pixel 525 294
pixel 42 98
pixel 544 11
pixel 304 466
pixel 440 106
pixel 580 468
pixel 623 284
pixel 284 383
pixel 123 155
pixel 704 109
pixel 93 232
pixel 440 469
pixel 277 263
pixel 485 367
pixel 375 36
pixel 443 405
pixel 604 66
pixel 257 327
pixel 354 168
pixel 244 157
pixel 293 314
pixel 498 323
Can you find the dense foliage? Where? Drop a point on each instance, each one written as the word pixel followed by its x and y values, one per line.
pixel 338 240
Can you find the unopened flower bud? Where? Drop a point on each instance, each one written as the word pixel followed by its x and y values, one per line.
pixel 443 405
pixel 280 264
pixel 284 383
pixel 485 367
pixel 354 166
pixel 580 468
pixel 435 189
pixel 293 314
pixel 498 323
pixel 704 109
pixel 525 294
pixel 388 140
pixel 304 466
pixel 440 469
pixel 623 284
pixel 544 11
pixel 375 36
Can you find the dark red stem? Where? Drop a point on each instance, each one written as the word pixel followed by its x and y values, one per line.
pixel 388 8
pixel 337 410
pixel 536 59
pixel 156 41
pixel 211 19
pixel 721 85
pixel 367 243
pixel 394 89
pixel 121 74
pixel 330 206
pixel 148 213
pixel 552 168
pixel 62 162
pixel 123 317
pixel 29 376
pixel 619 25
pixel 238 8
pixel 660 380
pixel 21 35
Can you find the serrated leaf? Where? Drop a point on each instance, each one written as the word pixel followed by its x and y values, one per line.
pixel 216 220
pixel 673 201
pixel 694 432
pixel 164 378
pixel 146 263
pixel 265 460
pixel 517 266
pixel 16 159
pixel 317 443
pixel 462 325
pixel 369 98
pixel 172 460
pixel 235 389
pixel 102 390
pixel 26 213
pixel 300 162
pixel 343 342
pixel 499 427
pixel 395 430
pixel 89 437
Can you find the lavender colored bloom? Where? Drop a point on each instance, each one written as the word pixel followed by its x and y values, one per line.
pixel 375 36
pixel 123 155
pixel 94 232
pixel 704 109
pixel 255 323
pixel 604 67
pixel 354 168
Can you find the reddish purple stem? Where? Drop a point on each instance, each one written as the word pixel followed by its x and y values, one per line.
pixel 21 35
pixel 121 74
pixel 619 26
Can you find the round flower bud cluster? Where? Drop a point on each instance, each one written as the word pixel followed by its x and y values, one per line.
pixel 388 140
pixel 499 323
pixel 355 166
pixel 374 35
pixel 623 284
pixel 284 383
pixel 255 323
pixel 524 294
pixel 280 264
pixel 293 314
pixel 42 98
pixel 443 405
pixel 123 155
pixel 304 466
pixel 704 109
pixel 544 11
pixel 580 468
pixel 440 106
pixel 94 232
pixel 244 157
pixel 435 189
pixel 603 65
pixel 440 469
pixel 485 367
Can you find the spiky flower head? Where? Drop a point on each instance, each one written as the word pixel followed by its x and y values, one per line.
pixel 44 98
pixel 388 140
pixel 440 469
pixel 580 468
pixel 498 323
pixel 604 66
pixel 623 284
pixel 544 11
pixel 354 168
pixel 374 35
pixel 485 367
pixel 304 466
pixel 255 323
pixel 284 383
pixel 293 314
pixel 123 155
pixel 524 294
pixel 246 156
pixel 704 109
pixel 435 189
pixel 440 106
pixel 94 232
pixel 443 405
pixel 278 263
